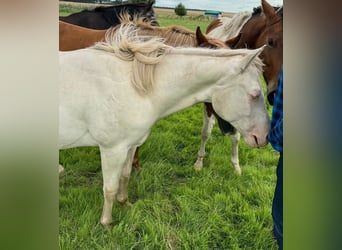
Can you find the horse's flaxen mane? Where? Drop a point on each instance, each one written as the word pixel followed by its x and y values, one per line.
pixel 231 26
pixel 173 35
pixel 256 62
pixel 144 52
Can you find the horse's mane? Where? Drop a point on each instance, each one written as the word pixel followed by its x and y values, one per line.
pixel 144 52
pixel 231 26
pixel 173 35
pixel 134 41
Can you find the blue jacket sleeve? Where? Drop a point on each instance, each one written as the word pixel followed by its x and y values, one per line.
pixel 275 135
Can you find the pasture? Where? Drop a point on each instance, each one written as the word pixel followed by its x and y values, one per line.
pixel 174 206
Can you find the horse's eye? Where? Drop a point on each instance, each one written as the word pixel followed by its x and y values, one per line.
pixel 255 94
pixel 271 42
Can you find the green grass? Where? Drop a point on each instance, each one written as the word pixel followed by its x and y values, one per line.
pixel 174 206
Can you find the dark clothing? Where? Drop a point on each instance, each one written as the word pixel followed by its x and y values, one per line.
pixel 277 205
pixel 275 137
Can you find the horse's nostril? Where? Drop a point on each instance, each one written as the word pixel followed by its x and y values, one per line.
pixel 256 141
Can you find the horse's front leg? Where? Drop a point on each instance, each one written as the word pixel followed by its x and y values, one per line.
pixel 208 123
pixel 122 195
pixel 235 137
pixel 112 160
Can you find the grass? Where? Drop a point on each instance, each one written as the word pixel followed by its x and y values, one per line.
pixel 174 206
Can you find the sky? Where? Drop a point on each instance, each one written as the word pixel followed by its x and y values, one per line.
pixel 221 5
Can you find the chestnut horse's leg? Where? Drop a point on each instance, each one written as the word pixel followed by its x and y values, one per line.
pixel 208 123
pixel 122 195
pixel 235 137
pixel 136 164
pixel 112 160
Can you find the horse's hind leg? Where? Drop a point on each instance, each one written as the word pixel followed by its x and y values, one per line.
pixel 235 137
pixel 122 195
pixel 208 123
pixel 136 164
pixel 112 161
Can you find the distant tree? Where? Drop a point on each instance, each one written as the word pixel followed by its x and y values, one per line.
pixel 180 10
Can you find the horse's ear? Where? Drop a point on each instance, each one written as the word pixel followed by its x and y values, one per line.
pixel 150 3
pixel 201 39
pixel 250 57
pixel 232 42
pixel 267 9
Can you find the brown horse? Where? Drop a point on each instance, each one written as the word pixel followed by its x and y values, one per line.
pixel 72 37
pixel 263 26
pixel 173 35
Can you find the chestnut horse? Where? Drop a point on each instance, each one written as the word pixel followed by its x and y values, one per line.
pixel 263 26
pixel 104 17
pixel 127 73
pixel 72 37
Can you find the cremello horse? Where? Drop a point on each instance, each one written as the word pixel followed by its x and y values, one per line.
pixel 72 37
pixel 249 30
pixel 129 77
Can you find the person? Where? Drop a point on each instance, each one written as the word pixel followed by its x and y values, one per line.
pixel 275 138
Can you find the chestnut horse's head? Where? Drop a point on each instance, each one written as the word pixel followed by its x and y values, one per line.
pixel 265 27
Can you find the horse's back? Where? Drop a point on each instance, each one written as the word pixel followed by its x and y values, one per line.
pixel 72 37
pixel 91 20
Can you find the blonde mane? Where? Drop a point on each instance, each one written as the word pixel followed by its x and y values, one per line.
pixel 124 40
pixel 146 45
pixel 144 52
pixel 231 26
pixel 175 36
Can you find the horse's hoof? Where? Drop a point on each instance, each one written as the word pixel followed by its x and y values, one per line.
pixel 237 170
pixel 60 170
pixel 107 223
pixel 128 204
pixel 198 166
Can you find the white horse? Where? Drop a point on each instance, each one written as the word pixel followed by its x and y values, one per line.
pixel 113 93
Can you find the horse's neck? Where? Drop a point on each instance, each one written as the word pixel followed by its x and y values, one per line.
pixel 191 81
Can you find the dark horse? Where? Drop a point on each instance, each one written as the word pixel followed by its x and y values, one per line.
pixel 104 17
